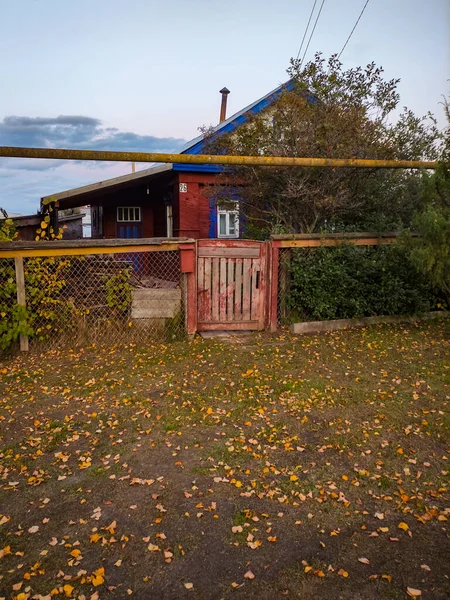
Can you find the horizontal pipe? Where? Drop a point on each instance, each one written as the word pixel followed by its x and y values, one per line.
pixel 202 159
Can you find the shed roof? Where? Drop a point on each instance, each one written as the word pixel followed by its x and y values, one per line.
pixel 94 189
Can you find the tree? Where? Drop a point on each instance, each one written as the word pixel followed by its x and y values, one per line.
pixel 429 248
pixel 331 113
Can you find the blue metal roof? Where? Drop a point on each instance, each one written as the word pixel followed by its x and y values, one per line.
pixel 196 145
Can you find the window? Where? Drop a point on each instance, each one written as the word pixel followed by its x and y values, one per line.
pixel 126 214
pixel 228 223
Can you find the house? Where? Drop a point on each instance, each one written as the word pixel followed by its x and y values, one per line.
pixel 166 200
pixel 26 226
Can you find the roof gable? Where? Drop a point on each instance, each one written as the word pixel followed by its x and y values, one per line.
pixel 196 145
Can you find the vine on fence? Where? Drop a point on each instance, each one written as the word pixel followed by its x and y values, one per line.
pixel 118 291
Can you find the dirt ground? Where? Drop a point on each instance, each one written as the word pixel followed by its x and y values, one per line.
pixel 261 467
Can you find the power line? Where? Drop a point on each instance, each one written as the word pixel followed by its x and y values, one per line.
pixel 307 27
pixel 312 32
pixel 354 27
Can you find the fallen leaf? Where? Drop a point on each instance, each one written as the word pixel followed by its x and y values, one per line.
pixel 413 592
pixel 403 525
pixel 365 561
pixel 189 586
pixel 249 575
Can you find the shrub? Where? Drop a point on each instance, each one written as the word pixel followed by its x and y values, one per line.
pixel 351 281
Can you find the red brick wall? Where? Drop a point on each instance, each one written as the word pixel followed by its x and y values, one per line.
pixel 193 209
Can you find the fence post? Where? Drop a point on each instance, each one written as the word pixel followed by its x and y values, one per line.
pixel 274 260
pixel 188 268
pixel 21 301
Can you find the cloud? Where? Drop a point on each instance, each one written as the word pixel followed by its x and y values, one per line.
pixel 24 181
pixel 76 131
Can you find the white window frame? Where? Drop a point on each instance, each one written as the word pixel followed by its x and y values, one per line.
pixel 227 214
pixel 128 212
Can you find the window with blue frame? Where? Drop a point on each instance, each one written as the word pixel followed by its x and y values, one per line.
pixel 228 221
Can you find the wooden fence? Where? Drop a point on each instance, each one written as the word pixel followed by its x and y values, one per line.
pixel 264 274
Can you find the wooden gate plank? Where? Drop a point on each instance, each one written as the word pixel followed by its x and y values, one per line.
pixel 230 289
pixel 223 290
pixel 215 289
pixel 246 288
pixel 201 288
pixel 238 291
pixel 255 295
pixel 207 293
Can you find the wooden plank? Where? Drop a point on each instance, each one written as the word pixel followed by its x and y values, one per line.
pixel 215 290
pixel 238 290
pixel 273 306
pixel 229 252
pixel 223 290
pixel 207 292
pixel 264 306
pixel 227 326
pixel 230 290
pixel 84 251
pixel 153 303
pixel 21 299
pixel 340 235
pixel 88 243
pixel 201 289
pixel 255 295
pixel 315 243
pixel 246 289
pixel 228 243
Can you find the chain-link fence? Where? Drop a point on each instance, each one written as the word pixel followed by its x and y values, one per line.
pixel 96 298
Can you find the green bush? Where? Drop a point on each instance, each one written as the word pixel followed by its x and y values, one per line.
pixel 351 281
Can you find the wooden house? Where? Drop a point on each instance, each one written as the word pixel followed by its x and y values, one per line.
pixel 166 200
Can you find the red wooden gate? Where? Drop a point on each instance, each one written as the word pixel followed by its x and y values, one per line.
pixel 231 284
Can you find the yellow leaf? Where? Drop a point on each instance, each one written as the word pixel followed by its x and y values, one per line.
pixel 342 573
pixel 97 580
pixel 403 525
pixel 209 411
pixel 75 553
pixel 308 569
pixel 68 589
pixel 293 478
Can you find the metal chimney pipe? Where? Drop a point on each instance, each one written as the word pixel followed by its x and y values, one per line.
pixel 223 107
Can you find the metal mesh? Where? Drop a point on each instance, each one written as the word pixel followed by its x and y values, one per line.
pixel 105 298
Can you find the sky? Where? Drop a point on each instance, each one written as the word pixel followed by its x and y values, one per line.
pixel 144 75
